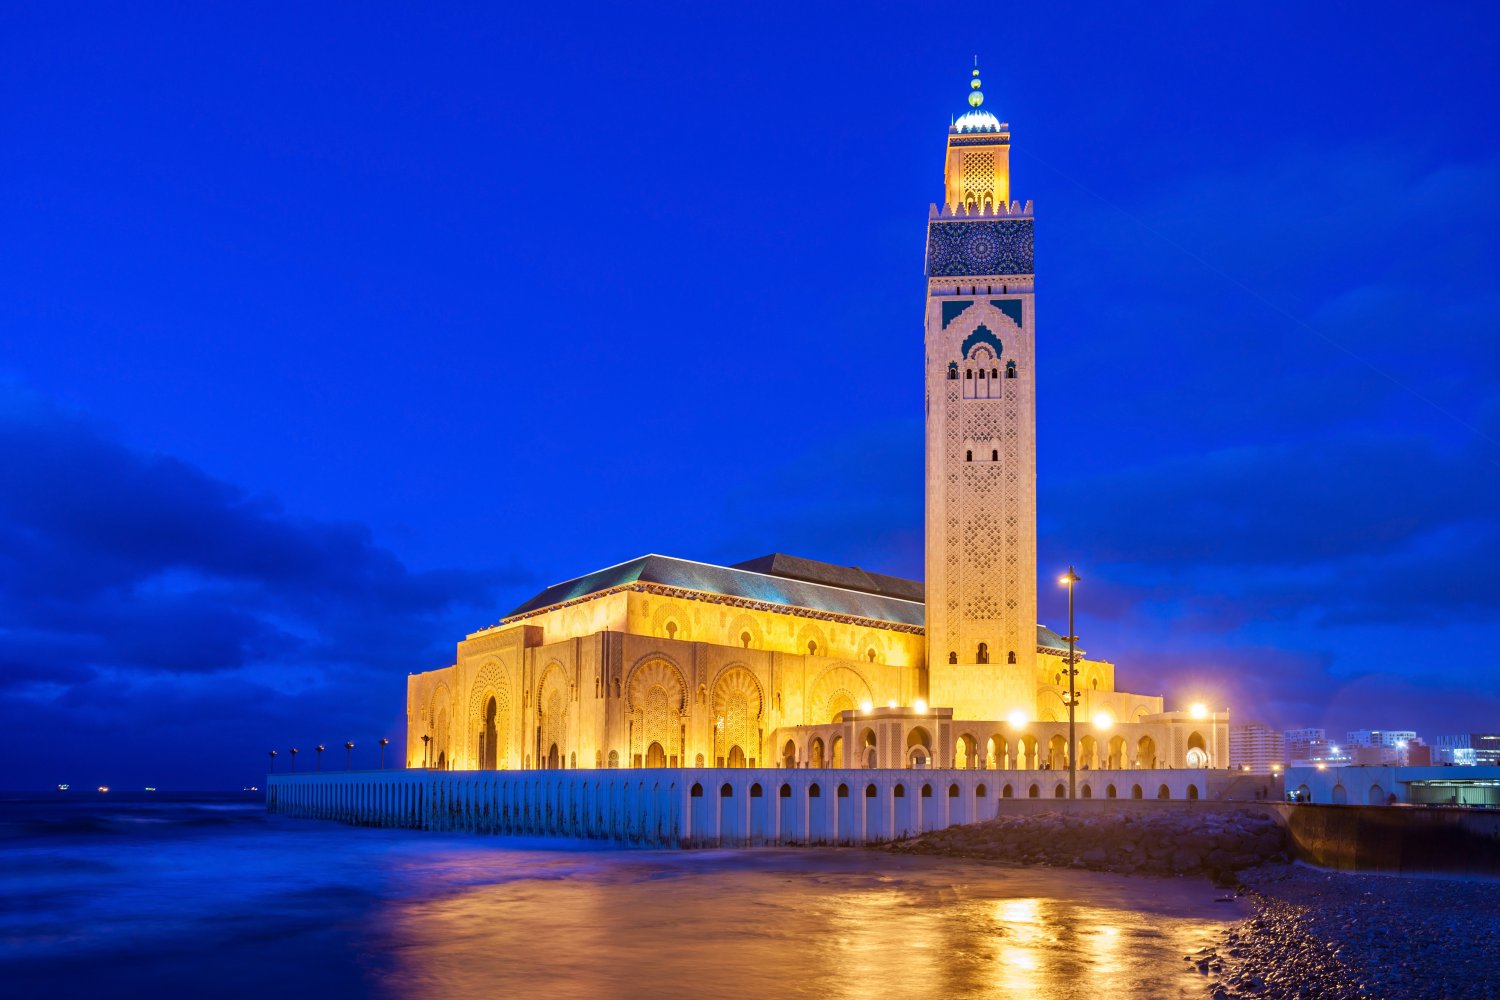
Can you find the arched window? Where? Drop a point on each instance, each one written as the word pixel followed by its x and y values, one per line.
pixel 983 656
pixel 952 791
pixel 870 792
pixel 697 791
pixel 1010 369
pixel 969 456
pixel 981 373
pixel 814 792
pixel 952 371
pixel 786 791
pixel 745 639
pixel 1033 792
pixel 812 647
pixel 671 630
pixel 755 790
pixel 1010 657
pixel 994 373
pixel 900 791
pixel 968 373
pixel 726 792
pixel 1007 792
pixel 952 656
pixel 994 454
pixel 981 792
pixel 926 791
pixel 843 791
pixel 870 655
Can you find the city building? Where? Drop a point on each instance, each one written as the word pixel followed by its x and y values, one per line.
pixel 665 662
pixel 1310 747
pixel 1256 748
pixel 1468 749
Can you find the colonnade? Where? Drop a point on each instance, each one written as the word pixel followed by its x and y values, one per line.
pixel 697 807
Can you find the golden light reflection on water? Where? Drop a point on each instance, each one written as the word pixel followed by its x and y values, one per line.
pixel 800 923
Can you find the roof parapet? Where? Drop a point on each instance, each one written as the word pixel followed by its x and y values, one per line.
pixel 1015 210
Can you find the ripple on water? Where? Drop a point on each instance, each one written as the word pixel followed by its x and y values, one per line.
pixel 293 908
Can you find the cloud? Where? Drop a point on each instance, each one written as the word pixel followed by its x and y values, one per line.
pixel 133 582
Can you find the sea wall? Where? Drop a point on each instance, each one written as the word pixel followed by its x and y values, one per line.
pixel 697 807
pixel 1411 839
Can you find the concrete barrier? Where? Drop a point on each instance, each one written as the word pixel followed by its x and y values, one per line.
pixel 1405 839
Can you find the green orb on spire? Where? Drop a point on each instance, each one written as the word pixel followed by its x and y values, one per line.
pixel 976 98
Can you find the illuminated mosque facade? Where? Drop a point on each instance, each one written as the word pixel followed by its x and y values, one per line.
pixel 786 662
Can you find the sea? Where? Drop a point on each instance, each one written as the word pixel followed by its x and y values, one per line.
pixel 158 895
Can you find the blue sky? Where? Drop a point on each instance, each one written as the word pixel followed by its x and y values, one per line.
pixel 330 335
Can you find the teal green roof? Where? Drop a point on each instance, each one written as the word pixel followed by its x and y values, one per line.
pixel 731 582
pixel 774 579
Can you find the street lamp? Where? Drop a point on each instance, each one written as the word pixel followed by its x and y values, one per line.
pixel 349 755
pixel 426 739
pixel 294 760
pixel 273 761
pixel 383 744
pixel 1069 580
pixel 321 748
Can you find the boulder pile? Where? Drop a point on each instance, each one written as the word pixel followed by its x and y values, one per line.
pixel 1215 842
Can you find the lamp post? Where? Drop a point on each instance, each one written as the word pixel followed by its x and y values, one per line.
pixel 348 755
pixel 1069 580
pixel 383 744
pixel 273 761
pixel 426 739
pixel 321 748
pixel 294 760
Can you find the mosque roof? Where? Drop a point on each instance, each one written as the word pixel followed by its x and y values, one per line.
pixel 773 579
pixel 749 584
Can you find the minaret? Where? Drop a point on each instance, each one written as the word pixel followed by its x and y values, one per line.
pixel 981 431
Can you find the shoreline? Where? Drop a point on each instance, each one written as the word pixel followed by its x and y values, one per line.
pixel 1337 934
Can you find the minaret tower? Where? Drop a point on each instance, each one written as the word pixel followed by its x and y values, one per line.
pixel 981 430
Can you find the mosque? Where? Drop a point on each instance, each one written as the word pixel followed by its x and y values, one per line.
pixel 781 661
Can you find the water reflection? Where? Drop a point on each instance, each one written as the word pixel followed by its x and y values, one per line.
pixel 813 923
pixel 208 903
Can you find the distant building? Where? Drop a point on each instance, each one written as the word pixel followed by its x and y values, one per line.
pixel 1375 747
pixel 1393 738
pixel 1256 747
pixel 1310 747
pixel 1467 749
pixel 1486 749
pixel 1299 742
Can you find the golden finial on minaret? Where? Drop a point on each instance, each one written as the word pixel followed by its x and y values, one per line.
pixel 976 96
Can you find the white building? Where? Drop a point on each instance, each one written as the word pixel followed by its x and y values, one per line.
pixel 1256 748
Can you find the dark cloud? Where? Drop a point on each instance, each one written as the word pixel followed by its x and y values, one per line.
pixel 145 599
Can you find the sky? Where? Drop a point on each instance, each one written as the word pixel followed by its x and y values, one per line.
pixel 328 335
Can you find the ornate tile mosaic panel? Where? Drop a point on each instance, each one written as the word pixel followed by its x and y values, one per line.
pixel 986 246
